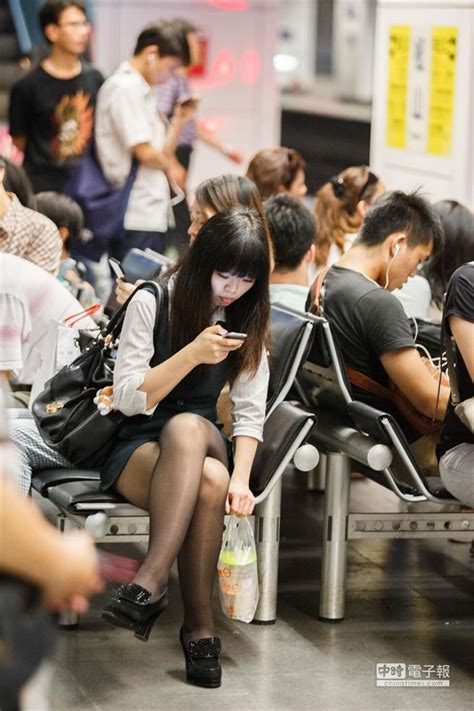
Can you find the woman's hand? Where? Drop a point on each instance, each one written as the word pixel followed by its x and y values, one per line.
pixel 211 348
pixel 240 500
pixel 103 400
pixel 74 575
pixel 123 289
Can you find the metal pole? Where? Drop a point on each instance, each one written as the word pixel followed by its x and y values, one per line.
pixel 336 508
pixel 68 620
pixel 317 477
pixel 267 538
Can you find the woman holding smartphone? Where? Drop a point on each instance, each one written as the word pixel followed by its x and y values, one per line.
pixel 171 456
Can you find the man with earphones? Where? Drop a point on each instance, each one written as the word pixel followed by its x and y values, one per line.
pixel 399 233
pixel 128 128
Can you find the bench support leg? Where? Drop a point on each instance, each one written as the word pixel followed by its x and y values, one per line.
pixel 68 620
pixel 317 477
pixel 336 509
pixel 267 538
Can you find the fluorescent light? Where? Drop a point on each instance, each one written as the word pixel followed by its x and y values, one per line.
pixel 285 62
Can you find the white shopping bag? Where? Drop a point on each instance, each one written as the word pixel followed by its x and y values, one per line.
pixel 237 570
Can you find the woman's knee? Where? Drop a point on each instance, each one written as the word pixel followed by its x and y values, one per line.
pixel 215 478
pixel 185 428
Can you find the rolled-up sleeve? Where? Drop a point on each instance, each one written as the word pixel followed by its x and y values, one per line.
pixel 135 352
pixel 249 397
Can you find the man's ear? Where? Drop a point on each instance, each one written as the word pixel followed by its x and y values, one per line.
pixel 396 241
pixel 63 233
pixel 51 32
pixel 310 253
pixel 362 207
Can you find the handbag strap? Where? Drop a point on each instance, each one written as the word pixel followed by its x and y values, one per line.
pixel 365 383
pixel 317 305
pixel 115 324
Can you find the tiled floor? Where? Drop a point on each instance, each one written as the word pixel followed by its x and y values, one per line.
pixel 408 602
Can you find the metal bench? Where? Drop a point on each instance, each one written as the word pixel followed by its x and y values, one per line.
pixel 351 431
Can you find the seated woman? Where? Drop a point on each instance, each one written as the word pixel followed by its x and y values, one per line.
pixel 456 449
pixel 422 296
pixel 175 463
pixel 278 170
pixel 340 209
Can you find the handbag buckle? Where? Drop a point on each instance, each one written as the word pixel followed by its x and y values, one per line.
pixel 53 407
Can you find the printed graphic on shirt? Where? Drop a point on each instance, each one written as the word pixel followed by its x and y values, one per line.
pixel 73 120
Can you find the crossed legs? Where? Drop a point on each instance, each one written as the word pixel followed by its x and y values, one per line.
pixel 183 483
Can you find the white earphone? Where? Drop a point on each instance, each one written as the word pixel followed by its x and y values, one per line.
pixel 396 249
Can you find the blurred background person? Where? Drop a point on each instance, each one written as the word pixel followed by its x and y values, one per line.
pixel 340 207
pixel 26 233
pixel 292 228
pixel 278 170
pixel 52 108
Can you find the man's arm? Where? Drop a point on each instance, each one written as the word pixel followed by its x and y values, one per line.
pixel 405 367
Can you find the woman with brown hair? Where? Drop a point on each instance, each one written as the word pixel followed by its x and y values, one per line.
pixel 278 170
pixel 340 209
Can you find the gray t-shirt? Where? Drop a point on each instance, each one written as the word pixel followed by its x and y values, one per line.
pixel 366 320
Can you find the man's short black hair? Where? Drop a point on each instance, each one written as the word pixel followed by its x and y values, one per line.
pixel 169 37
pixel 402 212
pixel 292 229
pixel 50 12
pixel 63 211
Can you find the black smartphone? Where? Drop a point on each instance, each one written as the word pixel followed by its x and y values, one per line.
pixel 117 268
pixel 237 336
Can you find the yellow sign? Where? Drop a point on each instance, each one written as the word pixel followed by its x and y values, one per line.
pixel 443 75
pixel 399 57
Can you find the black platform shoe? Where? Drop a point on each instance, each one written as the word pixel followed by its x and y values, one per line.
pixel 130 608
pixel 202 660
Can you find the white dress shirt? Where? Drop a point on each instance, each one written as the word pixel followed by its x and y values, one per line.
pixel 248 392
pixel 126 115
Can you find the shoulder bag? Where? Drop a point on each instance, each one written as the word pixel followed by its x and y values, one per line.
pixel 66 416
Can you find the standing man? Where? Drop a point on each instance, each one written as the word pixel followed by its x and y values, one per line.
pixel 129 127
pixel 52 107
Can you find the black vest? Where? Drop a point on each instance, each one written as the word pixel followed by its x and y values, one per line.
pixel 192 394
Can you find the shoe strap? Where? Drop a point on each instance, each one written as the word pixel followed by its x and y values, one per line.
pixel 205 648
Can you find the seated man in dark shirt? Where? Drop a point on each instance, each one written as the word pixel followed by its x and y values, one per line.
pixel 457 441
pixel 399 233
pixel 52 107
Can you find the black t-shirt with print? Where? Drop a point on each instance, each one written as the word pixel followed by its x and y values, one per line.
pixel 459 302
pixel 367 321
pixel 57 118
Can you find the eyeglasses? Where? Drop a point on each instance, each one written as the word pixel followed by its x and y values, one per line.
pixel 79 25
pixel 371 180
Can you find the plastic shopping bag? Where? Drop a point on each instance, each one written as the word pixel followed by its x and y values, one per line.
pixel 237 570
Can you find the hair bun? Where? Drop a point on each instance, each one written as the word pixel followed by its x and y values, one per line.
pixel 337 185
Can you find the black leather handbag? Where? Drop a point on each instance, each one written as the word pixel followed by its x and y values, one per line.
pixel 67 418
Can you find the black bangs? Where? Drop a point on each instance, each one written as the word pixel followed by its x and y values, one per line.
pixel 242 248
pixel 244 259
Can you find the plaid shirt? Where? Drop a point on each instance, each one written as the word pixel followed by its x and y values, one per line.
pixel 30 235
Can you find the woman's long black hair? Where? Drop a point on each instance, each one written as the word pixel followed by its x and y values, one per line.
pixel 233 241
pixel 458 226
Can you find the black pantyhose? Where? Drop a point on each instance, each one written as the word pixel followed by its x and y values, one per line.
pixel 186 497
